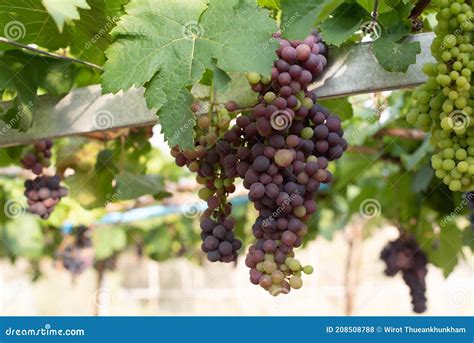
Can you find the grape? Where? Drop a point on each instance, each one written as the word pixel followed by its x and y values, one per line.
pixel 289 54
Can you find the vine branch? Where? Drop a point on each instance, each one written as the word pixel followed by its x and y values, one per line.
pixel 412 134
pixel 418 9
pixel 49 54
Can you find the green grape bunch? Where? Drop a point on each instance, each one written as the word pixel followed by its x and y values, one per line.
pixel 443 105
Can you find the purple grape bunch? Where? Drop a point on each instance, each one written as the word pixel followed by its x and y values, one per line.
pixel 404 255
pixel 44 192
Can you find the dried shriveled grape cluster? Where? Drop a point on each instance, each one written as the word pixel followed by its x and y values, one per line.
pixel 281 151
pixel 77 253
pixel 405 256
pixel 44 192
pixel 39 157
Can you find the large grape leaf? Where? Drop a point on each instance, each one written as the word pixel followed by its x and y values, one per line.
pixel 25 73
pixel 391 51
pixel 299 16
pixel 28 22
pixel 64 10
pixel 168 45
pixel 442 247
pixel 344 22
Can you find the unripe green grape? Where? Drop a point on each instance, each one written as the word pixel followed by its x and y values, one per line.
pixel 455 185
pixel 448 164
pixel 307 133
pixel 463 167
pixel 269 97
pixel 308 269
pixel 269 266
pixel 296 282
pixel 253 78
pixel 205 194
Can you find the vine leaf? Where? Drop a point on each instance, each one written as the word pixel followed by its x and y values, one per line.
pixel 299 16
pixel 394 56
pixel 344 22
pixel 392 53
pixel 170 44
pixel 64 10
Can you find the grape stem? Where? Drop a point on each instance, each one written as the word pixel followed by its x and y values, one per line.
pixel 375 12
pixel 49 54
pixel 412 134
pixel 418 9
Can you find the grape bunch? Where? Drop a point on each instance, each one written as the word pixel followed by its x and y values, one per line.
pixel 443 105
pixel 281 150
pixel 289 141
pixel 404 255
pixel 39 157
pixel 77 254
pixel 213 159
pixel 43 194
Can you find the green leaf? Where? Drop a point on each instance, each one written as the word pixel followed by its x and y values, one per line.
pixel 425 149
pixel 422 179
pixel 392 3
pixel 442 247
pixel 23 237
pixel 392 53
pixel 345 21
pixel 64 10
pixel 175 42
pixel 108 240
pixel 271 4
pixel 131 186
pixel 28 22
pixel 393 56
pixel 341 107
pixel 299 16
